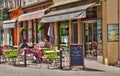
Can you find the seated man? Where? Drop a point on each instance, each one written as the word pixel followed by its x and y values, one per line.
pixel 46 43
pixel 37 51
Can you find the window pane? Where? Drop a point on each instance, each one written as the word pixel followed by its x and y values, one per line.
pixel 75 32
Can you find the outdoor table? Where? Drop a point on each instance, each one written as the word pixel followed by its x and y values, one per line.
pixel 52 51
pixel 15 46
pixel 46 53
pixel 54 56
pixel 45 48
pixel 5 50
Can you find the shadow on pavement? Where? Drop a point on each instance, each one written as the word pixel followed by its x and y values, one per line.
pixel 20 65
pixel 91 69
pixel 87 69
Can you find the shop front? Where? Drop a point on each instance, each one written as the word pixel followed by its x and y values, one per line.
pixel 8 31
pixel 92 33
pixel 71 26
pixel 30 18
pixel 10 28
pixel 30 21
pixel 90 38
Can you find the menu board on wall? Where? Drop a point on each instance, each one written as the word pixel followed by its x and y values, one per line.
pixel 99 30
pixel 76 55
pixel 113 32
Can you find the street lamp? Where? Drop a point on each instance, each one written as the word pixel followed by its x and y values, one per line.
pixel 23 45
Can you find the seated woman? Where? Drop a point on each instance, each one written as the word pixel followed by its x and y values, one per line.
pixel 37 51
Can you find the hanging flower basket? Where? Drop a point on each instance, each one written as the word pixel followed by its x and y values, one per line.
pixel 40 27
pixel 22 29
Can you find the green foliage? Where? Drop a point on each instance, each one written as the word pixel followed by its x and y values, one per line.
pixel 40 27
pixel 22 29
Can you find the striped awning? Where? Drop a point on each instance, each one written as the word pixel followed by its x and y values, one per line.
pixel 66 14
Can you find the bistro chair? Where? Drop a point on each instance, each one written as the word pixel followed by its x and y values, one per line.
pixel 11 55
pixel 55 59
pixel 45 53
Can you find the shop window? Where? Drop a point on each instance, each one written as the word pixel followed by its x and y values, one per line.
pixel 13 4
pixel 75 32
pixel 2 36
pixel 64 33
pixel 35 31
pixel 10 4
pixel 64 36
pixel 17 3
pixel 9 37
pixel 29 31
pixel 25 33
pixel 22 3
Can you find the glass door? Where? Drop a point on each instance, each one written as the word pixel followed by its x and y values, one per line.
pixel 90 39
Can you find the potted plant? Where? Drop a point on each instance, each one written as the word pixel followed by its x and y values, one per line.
pixel 22 29
pixel 40 27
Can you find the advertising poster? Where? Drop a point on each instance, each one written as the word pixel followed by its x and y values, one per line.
pixel 113 32
pixel 99 30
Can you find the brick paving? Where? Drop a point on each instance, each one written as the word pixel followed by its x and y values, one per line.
pixel 92 68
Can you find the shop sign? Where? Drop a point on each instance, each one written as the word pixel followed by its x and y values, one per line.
pixel 91 13
pixel 113 34
pixel 15 13
pixel 76 55
pixel 5 14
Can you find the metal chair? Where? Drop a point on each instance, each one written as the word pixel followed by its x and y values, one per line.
pixel 11 55
pixel 55 58
pixel 45 53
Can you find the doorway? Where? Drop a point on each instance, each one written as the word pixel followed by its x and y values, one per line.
pixel 90 39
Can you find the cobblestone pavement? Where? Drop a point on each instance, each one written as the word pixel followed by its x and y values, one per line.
pixel 92 68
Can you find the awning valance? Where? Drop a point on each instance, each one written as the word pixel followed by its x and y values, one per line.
pixel 10 23
pixel 66 14
pixel 81 14
pixel 31 15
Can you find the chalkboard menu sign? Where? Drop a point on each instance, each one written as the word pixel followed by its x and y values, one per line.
pixel 76 55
